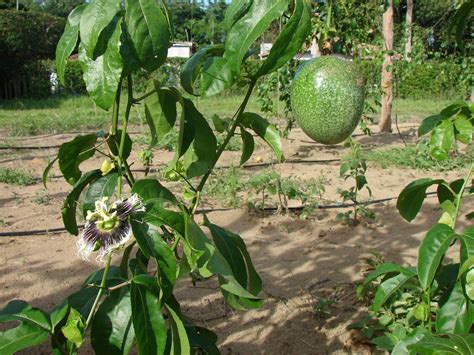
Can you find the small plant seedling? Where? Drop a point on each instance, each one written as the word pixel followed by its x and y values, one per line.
pixel 14 176
pixel 354 166
pixel 322 306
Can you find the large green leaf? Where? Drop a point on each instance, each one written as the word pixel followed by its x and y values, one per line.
pixel 455 315
pixel 428 124
pixel 152 244
pixel 102 74
pixel 148 31
pixel 467 244
pixel 216 76
pixel 95 19
pixel 179 337
pixel 388 287
pixel 160 111
pixel 112 331
pixel 70 203
pixel 265 130
pixel 68 41
pixel 72 154
pixel 148 321
pixel 460 20
pixel 248 144
pixel 102 187
pixel 209 261
pixel 445 345
pixel 414 337
pixel 235 11
pixel 201 154
pixel 463 129
pixel 21 337
pixel 248 28
pixel 233 249
pixel 442 139
pixel 290 40
pixel 382 269
pixel 22 311
pixel 431 252
pixel 411 198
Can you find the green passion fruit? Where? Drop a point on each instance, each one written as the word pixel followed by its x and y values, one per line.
pixel 327 98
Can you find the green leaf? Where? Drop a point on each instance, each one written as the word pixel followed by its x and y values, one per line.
pixel 202 339
pixel 290 40
pixel 411 198
pixel 68 41
pixel 46 171
pixel 248 146
pixel 112 331
pixel 113 142
pixel 388 287
pixel 21 337
pixel 152 244
pixel 148 321
pixel 96 17
pixel 428 124
pixel 148 31
pixel 460 19
pixel 414 337
pixel 431 252
pixel 22 311
pixel 463 129
pixel 236 10
pixel 445 191
pixel 209 70
pixel 74 328
pixel 448 344
pixel 72 154
pixel 383 269
pixel 454 314
pixel 58 313
pixel 179 340
pixel 102 187
pixel 102 74
pixel 442 139
pixel 248 28
pixel 201 154
pixel 467 250
pixel 70 203
pixel 160 111
pixel 265 130
pixel 233 249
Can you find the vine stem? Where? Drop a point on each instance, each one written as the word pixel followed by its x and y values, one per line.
pixel 120 159
pixel 460 195
pixel 227 139
pixel 99 294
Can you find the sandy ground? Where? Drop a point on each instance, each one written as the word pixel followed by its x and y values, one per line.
pixel 297 260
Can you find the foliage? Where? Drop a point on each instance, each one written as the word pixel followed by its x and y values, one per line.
pixel 73 81
pixel 153 229
pixel 354 167
pixel 13 176
pixel 413 306
pixel 419 157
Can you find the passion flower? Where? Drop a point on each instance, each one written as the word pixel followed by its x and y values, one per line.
pixel 108 228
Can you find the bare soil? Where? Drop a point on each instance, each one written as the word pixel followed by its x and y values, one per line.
pixel 298 260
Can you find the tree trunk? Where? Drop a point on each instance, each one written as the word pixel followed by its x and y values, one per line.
pixel 409 21
pixel 385 124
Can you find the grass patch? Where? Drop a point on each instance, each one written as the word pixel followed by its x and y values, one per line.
pixel 16 177
pixel 418 157
pixel 70 114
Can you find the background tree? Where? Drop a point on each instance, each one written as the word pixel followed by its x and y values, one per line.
pixel 408 24
pixel 385 123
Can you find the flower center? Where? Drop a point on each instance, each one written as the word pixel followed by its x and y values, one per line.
pixel 108 223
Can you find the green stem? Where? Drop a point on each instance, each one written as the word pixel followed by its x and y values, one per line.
pixel 231 132
pixel 120 159
pixel 99 294
pixel 143 97
pixel 460 195
pixel 115 110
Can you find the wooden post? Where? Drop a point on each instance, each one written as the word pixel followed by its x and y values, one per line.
pixel 409 28
pixel 385 124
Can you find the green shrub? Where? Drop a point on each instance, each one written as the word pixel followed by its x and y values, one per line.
pixel 73 81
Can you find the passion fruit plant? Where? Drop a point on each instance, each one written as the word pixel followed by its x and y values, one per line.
pixel 153 231
pixel 430 307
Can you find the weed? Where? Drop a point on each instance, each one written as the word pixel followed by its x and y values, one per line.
pixel 13 176
pixel 227 186
pixel 42 198
pixel 419 157
pixel 322 306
